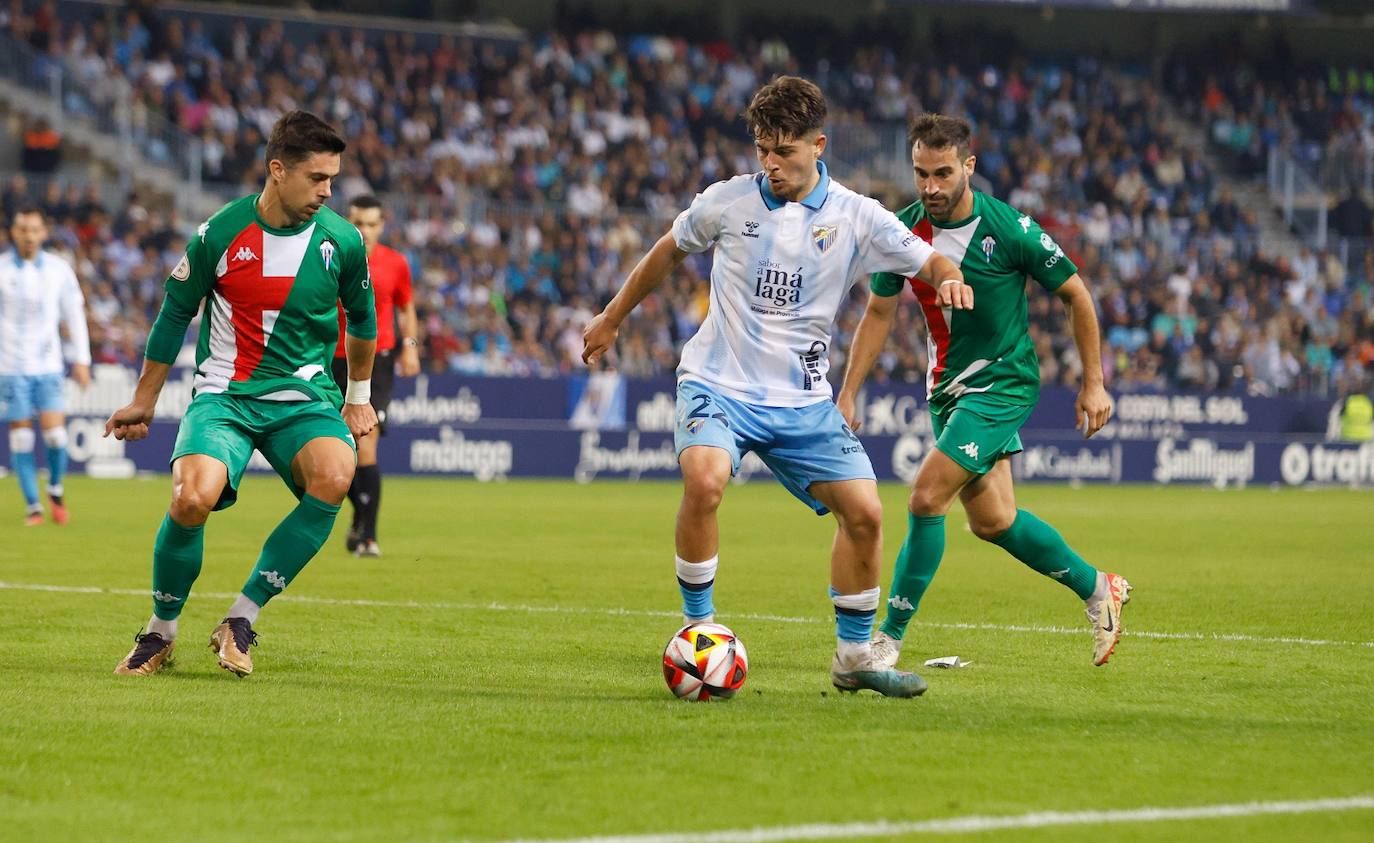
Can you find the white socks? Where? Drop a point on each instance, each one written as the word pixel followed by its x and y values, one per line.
pixel 245 608
pixel 167 629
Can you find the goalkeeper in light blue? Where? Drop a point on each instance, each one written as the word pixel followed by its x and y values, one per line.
pixel 39 297
pixel 789 243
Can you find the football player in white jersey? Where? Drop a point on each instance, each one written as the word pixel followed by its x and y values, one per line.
pixel 39 295
pixel 790 242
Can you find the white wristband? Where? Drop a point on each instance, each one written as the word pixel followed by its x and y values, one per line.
pixel 359 392
pixel 951 281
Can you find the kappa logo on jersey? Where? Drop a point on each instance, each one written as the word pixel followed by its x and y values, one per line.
pixel 1025 222
pixel 245 254
pixel 182 270
pixel 989 244
pixel 970 448
pixel 327 254
pixel 824 236
pixel 751 228
pixel 776 285
pixel 203 230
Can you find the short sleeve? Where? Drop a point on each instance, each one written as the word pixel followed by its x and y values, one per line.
pixel 697 228
pixel 1041 257
pixel 888 246
pixel 886 283
pixel 355 289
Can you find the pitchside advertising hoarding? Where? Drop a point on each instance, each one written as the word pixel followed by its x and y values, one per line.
pixel 608 427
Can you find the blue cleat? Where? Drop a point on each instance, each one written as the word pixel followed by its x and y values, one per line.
pixel 874 677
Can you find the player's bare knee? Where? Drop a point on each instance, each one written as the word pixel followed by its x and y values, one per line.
pixel 927 501
pixel 988 528
pixel 191 504
pixel 330 485
pixel 863 523
pixel 703 490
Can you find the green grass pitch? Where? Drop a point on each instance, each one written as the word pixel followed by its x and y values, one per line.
pixel 505 682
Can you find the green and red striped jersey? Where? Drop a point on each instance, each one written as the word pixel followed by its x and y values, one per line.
pixel 270 321
pixel 987 349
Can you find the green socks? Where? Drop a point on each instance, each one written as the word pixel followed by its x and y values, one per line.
pixel 294 543
pixel 917 562
pixel 1043 550
pixel 177 554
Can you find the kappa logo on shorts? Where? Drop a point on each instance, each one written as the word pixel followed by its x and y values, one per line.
pixel 970 448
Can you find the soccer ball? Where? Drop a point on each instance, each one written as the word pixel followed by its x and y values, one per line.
pixel 704 661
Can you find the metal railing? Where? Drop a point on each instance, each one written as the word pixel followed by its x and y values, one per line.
pixel 106 104
pixel 1299 195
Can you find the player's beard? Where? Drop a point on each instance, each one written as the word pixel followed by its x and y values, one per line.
pixel 953 199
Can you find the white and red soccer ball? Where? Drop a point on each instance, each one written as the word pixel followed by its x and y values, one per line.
pixel 705 661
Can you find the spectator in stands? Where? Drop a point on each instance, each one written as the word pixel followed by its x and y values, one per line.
pixel 42 148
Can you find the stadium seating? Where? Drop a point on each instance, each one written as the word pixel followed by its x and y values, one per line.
pixel 523 182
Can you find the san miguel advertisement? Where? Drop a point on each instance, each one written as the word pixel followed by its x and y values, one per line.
pixel 604 426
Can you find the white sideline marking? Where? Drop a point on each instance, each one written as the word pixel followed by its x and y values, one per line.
pixel 496 606
pixel 976 823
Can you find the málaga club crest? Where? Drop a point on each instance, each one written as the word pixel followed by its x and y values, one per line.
pixel 823 236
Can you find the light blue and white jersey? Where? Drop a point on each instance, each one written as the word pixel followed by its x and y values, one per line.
pixel 778 277
pixel 36 297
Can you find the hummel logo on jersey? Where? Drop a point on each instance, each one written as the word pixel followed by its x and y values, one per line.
pixel 163 597
pixel 970 448
pixel 327 252
pixel 750 229
pixel 245 254
pixel 897 601
pixel 274 579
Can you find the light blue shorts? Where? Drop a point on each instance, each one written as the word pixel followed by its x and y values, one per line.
pixel 800 445
pixel 24 396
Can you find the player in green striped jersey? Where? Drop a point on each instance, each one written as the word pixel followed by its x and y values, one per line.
pixel 983 380
pixel 271 269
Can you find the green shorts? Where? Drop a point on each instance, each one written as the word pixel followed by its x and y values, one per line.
pixel 229 428
pixel 977 432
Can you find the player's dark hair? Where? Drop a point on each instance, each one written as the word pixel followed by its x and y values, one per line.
pixel 27 209
pixel 787 107
pixel 364 202
pixel 940 131
pixel 299 134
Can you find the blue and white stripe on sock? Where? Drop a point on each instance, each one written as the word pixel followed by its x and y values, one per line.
pixel 854 617
pixel 21 457
pixel 55 438
pixel 696 580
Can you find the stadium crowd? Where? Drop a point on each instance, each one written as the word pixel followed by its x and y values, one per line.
pixel 523 182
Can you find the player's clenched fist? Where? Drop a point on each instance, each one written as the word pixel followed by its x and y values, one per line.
pixel 129 423
pixel 598 337
pixel 954 294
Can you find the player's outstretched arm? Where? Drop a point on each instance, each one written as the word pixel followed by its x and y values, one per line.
pixel 131 421
pixel 651 271
pixel 950 289
pixel 1093 407
pixel 869 339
